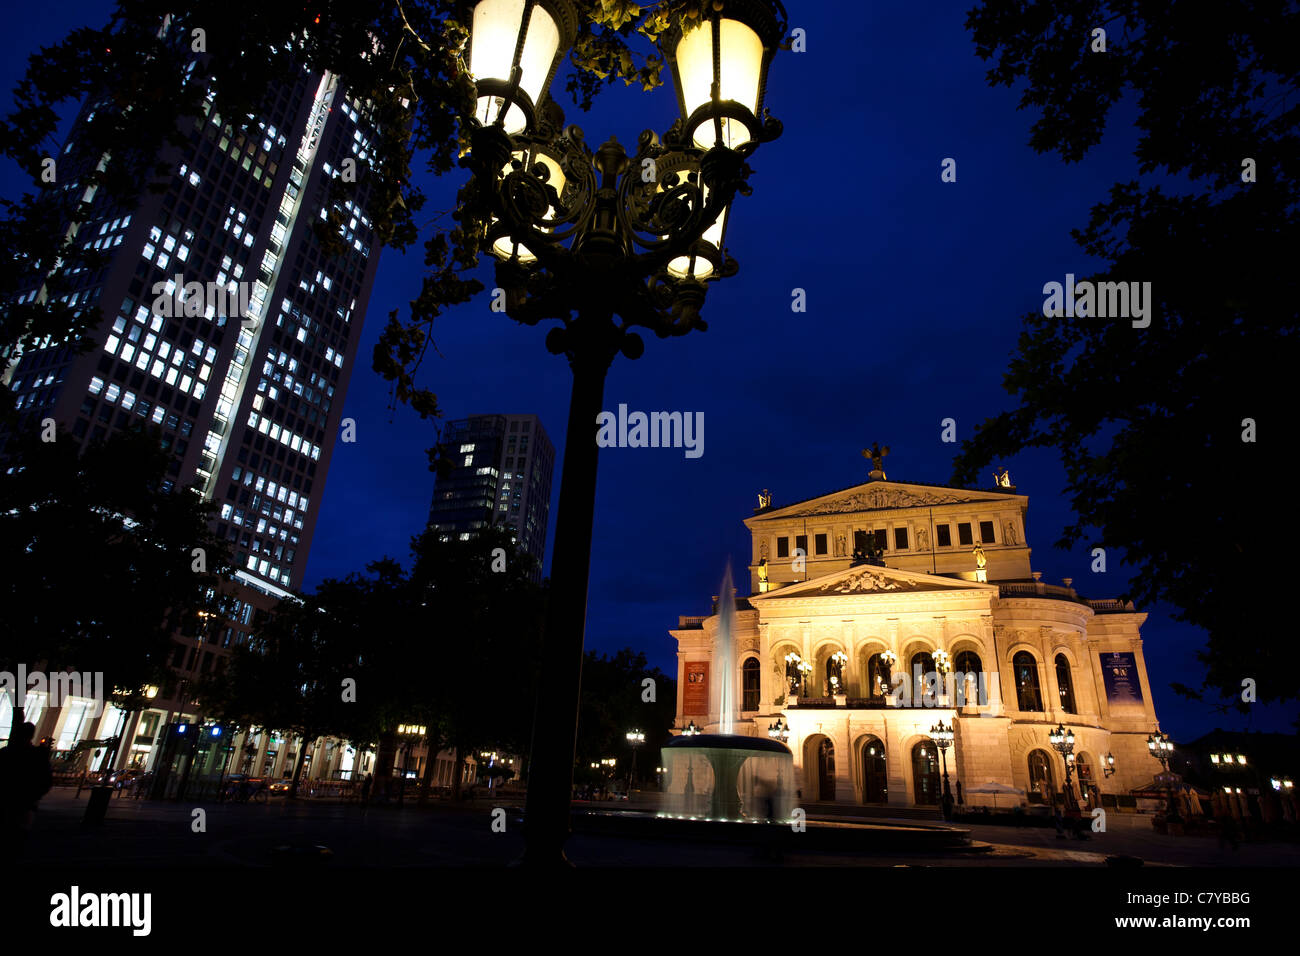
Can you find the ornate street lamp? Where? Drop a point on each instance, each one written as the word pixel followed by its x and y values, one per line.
pixel 1062 740
pixel 805 669
pixel 1108 767
pixel 836 668
pixel 792 675
pixel 1162 748
pixel 691 730
pixel 604 243
pixel 779 730
pixel 635 738
pixel 409 733
pixel 942 735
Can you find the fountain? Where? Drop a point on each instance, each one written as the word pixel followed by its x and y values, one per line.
pixel 727 776
pixel 714 783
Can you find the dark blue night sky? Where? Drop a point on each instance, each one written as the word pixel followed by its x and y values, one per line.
pixel 915 291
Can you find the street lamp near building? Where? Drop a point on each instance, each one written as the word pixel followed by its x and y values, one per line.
pixel 779 730
pixel 1108 765
pixel 1162 748
pixel 635 738
pixel 942 735
pixel 409 733
pixel 605 243
pixel 1062 740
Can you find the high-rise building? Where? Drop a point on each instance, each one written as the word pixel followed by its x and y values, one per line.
pixel 501 476
pixel 226 324
pixel 231 327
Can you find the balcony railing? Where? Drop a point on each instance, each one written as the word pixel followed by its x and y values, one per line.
pixel 855 703
pixel 1037 589
pixel 1112 607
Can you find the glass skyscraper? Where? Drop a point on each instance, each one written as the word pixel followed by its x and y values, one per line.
pixel 226 324
pixel 501 475
pixel 229 326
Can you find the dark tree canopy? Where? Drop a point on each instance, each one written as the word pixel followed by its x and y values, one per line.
pixel 86 587
pixel 1169 434
pixel 452 645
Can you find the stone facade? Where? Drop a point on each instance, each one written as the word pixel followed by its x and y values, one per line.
pixel 1038 654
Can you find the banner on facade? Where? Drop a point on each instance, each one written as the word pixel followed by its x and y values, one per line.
pixel 1120 674
pixel 695 698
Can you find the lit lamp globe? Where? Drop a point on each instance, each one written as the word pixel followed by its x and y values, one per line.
pixel 720 70
pixel 704 258
pixel 515 48
pixel 505 246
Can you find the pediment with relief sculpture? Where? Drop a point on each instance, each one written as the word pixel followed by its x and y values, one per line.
pixel 878 496
pixel 866 579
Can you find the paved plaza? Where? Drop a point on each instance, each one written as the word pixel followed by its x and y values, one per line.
pixel 140 833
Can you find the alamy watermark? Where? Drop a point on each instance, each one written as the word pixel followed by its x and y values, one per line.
pixel 1101 300
pixel 195 298
pixel 57 687
pixel 655 430
pixel 75 909
pixel 943 688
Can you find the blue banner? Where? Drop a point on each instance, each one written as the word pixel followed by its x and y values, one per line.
pixel 1120 674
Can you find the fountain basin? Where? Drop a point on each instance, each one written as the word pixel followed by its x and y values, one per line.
pixel 728 778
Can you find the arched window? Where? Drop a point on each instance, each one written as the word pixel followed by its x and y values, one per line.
pixel 749 684
pixel 1083 773
pixel 1028 696
pixel 825 770
pixel 1064 684
pixel 1040 777
pixel 925 772
pixel 875 779
pixel 920 669
pixel 968 670
pixel 878 677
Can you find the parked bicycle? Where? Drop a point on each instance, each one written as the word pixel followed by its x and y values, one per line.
pixel 242 789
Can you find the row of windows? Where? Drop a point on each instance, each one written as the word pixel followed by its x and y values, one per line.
pixel 880 538
pixel 879 680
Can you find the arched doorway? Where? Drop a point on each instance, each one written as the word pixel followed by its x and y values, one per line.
pixel 925 772
pixel 875 778
pixel 1041 787
pixel 825 769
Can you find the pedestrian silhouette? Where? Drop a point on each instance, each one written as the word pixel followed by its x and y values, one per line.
pixel 25 777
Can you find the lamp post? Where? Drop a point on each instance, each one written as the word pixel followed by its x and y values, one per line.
pixel 1162 748
pixel 779 731
pixel 942 736
pixel 803 668
pixel 635 738
pixel 1062 740
pixel 835 677
pixel 603 243
pixel 691 730
pixel 409 734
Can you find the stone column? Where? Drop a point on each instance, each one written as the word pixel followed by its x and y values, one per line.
pixel 993 667
pixel 839 735
pixel 128 738
pixel 897 763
